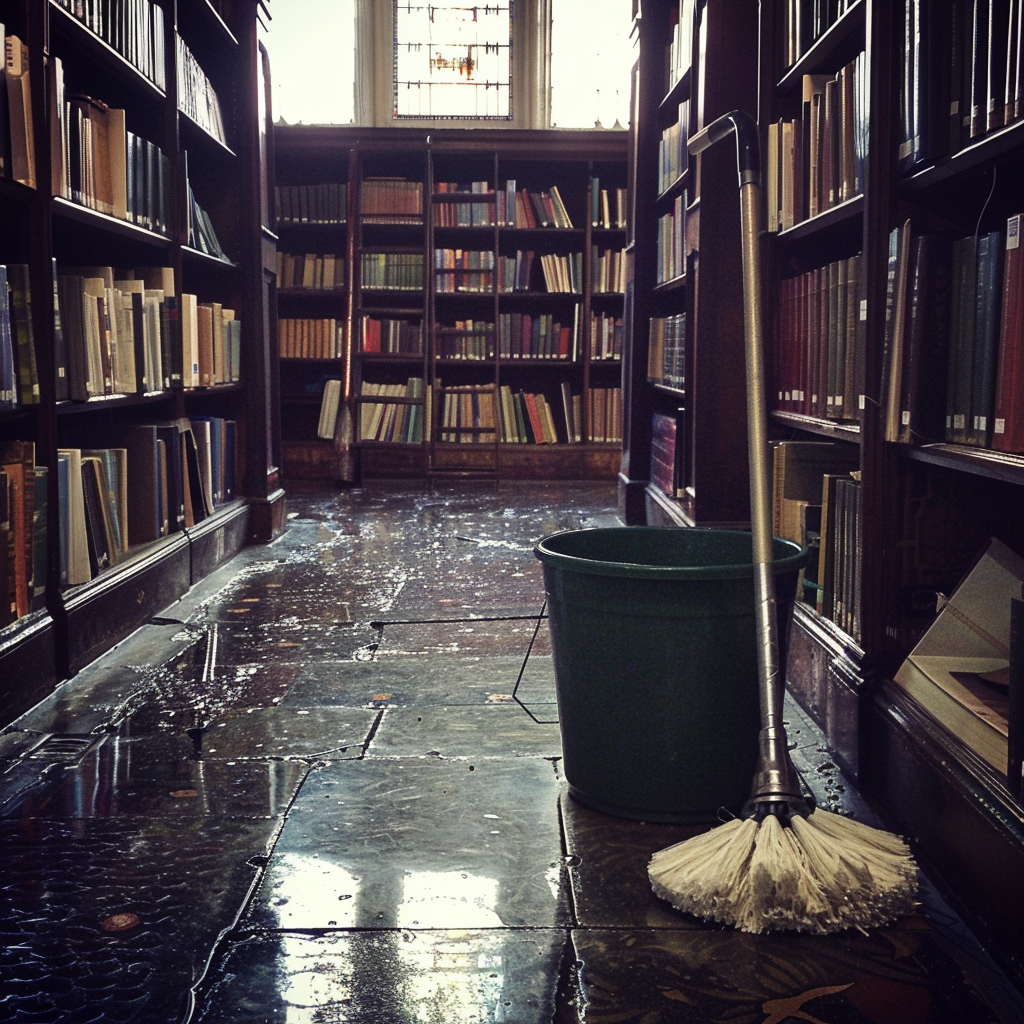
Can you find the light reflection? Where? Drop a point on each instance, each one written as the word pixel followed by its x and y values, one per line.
pixel 305 885
pixel 451 898
pixel 438 977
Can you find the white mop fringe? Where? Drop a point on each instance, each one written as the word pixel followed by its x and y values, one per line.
pixel 824 873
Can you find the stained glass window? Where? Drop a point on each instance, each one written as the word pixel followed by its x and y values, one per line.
pixel 453 60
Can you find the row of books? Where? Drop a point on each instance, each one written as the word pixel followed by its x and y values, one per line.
pixel 671 251
pixel 467 415
pixel 197 97
pixel 608 267
pixel 115 333
pixel 464 270
pixel 22 530
pixel 320 271
pixel 531 208
pixel 559 273
pixel 308 338
pixel 805 21
pixel 604 414
pixel 130 334
pixel 466 339
pixel 955 344
pixel 962 75
pixel 464 204
pixel 391 200
pixel 392 412
pixel 98 163
pixel 608 206
pixel 392 271
pixel 666 351
pixel 395 337
pixel 153 480
pixel 819 348
pixel 815 502
pixel 135 28
pixel 681 45
pixel 607 334
pixel 202 236
pixel 535 336
pixel 672 156
pixel 816 161
pixel 321 203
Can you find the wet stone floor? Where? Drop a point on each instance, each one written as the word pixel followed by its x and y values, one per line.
pixel 305 795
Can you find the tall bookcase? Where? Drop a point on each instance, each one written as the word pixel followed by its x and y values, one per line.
pixel 892 138
pixel 684 457
pixel 139 446
pixel 461 314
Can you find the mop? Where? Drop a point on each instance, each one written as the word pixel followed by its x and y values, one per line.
pixel 783 866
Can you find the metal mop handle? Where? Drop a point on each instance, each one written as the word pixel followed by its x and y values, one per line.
pixel 775 780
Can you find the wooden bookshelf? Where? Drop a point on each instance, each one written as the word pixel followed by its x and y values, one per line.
pixel 466 307
pixel 852 294
pixel 144 241
pixel 685 257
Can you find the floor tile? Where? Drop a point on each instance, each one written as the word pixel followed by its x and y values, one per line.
pixel 311 733
pixel 497 730
pixel 657 976
pixel 421 680
pixel 390 977
pixel 112 919
pixel 419 843
pixel 159 774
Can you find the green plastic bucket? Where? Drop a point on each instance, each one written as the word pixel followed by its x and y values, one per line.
pixel 655 658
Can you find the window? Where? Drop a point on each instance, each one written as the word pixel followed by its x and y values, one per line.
pixel 562 63
pixel 452 59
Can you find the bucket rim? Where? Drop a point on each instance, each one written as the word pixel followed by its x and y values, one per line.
pixel 793 561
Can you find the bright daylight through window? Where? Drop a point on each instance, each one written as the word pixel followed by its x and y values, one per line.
pixel 462 67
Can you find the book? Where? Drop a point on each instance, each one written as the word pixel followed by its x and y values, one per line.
pixel 798 472
pixel 988 299
pixel 19 111
pixel 329 409
pixel 961 343
pixel 17 462
pixel 8 365
pixel 23 332
pixel 922 401
pixel 958 671
pixel 76 565
pixel 1008 412
pixel 896 326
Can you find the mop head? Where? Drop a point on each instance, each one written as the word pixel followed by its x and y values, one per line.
pixel 820 874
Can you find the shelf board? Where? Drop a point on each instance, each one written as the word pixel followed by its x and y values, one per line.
pixel 678 91
pixel 836 46
pixel 979 461
pixel 66 210
pixel 664 287
pixel 976 156
pixel 100 53
pixel 843 218
pixel 812 424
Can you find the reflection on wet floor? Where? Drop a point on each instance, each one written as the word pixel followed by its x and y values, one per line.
pixel 305 794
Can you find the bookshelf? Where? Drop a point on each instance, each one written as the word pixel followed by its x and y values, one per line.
pixel 487 284
pixel 683 373
pixel 139 446
pixel 888 243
